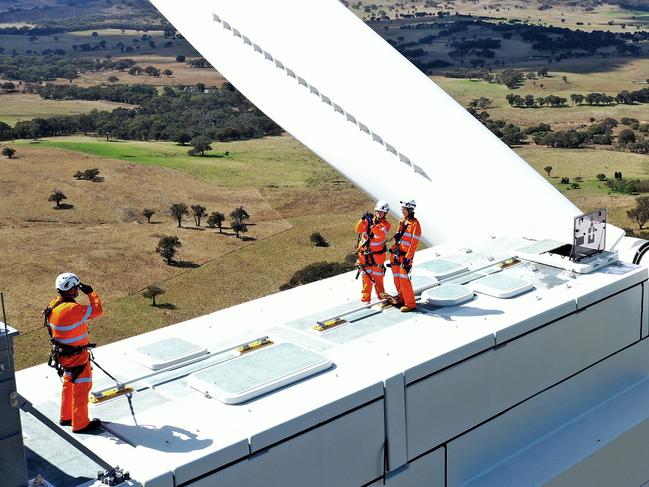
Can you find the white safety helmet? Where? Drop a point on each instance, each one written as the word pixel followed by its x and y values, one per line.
pixel 67 281
pixel 411 204
pixel 382 205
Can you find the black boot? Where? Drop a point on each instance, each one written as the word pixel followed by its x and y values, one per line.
pixel 92 426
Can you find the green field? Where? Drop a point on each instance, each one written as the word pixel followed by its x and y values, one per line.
pixel 272 161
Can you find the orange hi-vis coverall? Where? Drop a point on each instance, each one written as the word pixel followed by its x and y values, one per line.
pixel 372 255
pixel 68 321
pixel 403 251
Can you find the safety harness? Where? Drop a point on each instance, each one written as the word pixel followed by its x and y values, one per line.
pixel 59 349
pixel 396 252
pixel 363 249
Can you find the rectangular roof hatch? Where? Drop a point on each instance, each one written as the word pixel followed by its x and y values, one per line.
pixel 259 372
pixel 443 268
pixel 501 286
pixel 165 353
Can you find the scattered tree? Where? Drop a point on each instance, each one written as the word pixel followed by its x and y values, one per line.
pixel 199 212
pixel 239 227
pixel 8 152
pixel 200 145
pixel 626 136
pixel 640 214
pixel 601 177
pixel 113 79
pixel 148 213
pixel 57 196
pixel 216 219
pixel 151 292
pixel 88 175
pixel 548 170
pixel 182 138
pixel 239 214
pixel 167 248
pixel 318 240
pixel 178 210
pixel 180 59
pixel 167 72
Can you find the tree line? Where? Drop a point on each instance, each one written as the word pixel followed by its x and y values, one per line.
pixel 593 99
pixel 223 114
pixel 34 69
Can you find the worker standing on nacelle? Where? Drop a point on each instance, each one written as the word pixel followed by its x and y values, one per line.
pixel 66 321
pixel 371 249
pixel 406 241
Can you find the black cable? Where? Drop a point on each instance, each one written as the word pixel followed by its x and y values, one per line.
pixel 105 372
pixel 4 321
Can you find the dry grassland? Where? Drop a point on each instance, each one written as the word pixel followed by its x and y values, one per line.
pixel 117 256
pixel 183 74
pixel 610 76
pixel 561 15
pixel 15 107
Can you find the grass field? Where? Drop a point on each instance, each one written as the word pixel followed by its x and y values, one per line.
pixel 67 41
pixel 610 78
pixel 270 161
pixel 587 163
pixel 183 74
pixel 565 14
pixel 16 107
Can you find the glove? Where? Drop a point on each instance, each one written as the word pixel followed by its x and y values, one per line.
pixel 367 216
pixel 84 288
pixel 406 262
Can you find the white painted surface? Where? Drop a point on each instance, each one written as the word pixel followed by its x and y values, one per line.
pixel 428 471
pixel 186 434
pixel 395 422
pixel 544 436
pixel 344 452
pixel 450 402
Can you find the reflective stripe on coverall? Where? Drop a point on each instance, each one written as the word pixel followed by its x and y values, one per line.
pixel 372 264
pixel 68 322
pixel 406 247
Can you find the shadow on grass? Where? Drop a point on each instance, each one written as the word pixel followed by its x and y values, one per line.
pixel 213 156
pixel 248 239
pixel 200 229
pixel 184 264
pixel 64 206
pixel 166 306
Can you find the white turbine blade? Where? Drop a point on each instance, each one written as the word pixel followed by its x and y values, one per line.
pixel 335 85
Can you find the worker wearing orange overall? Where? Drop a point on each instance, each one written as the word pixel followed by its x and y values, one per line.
pixel 66 321
pixel 403 252
pixel 373 232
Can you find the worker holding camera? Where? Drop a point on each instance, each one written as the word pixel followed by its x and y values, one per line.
pixel 371 249
pixel 66 321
